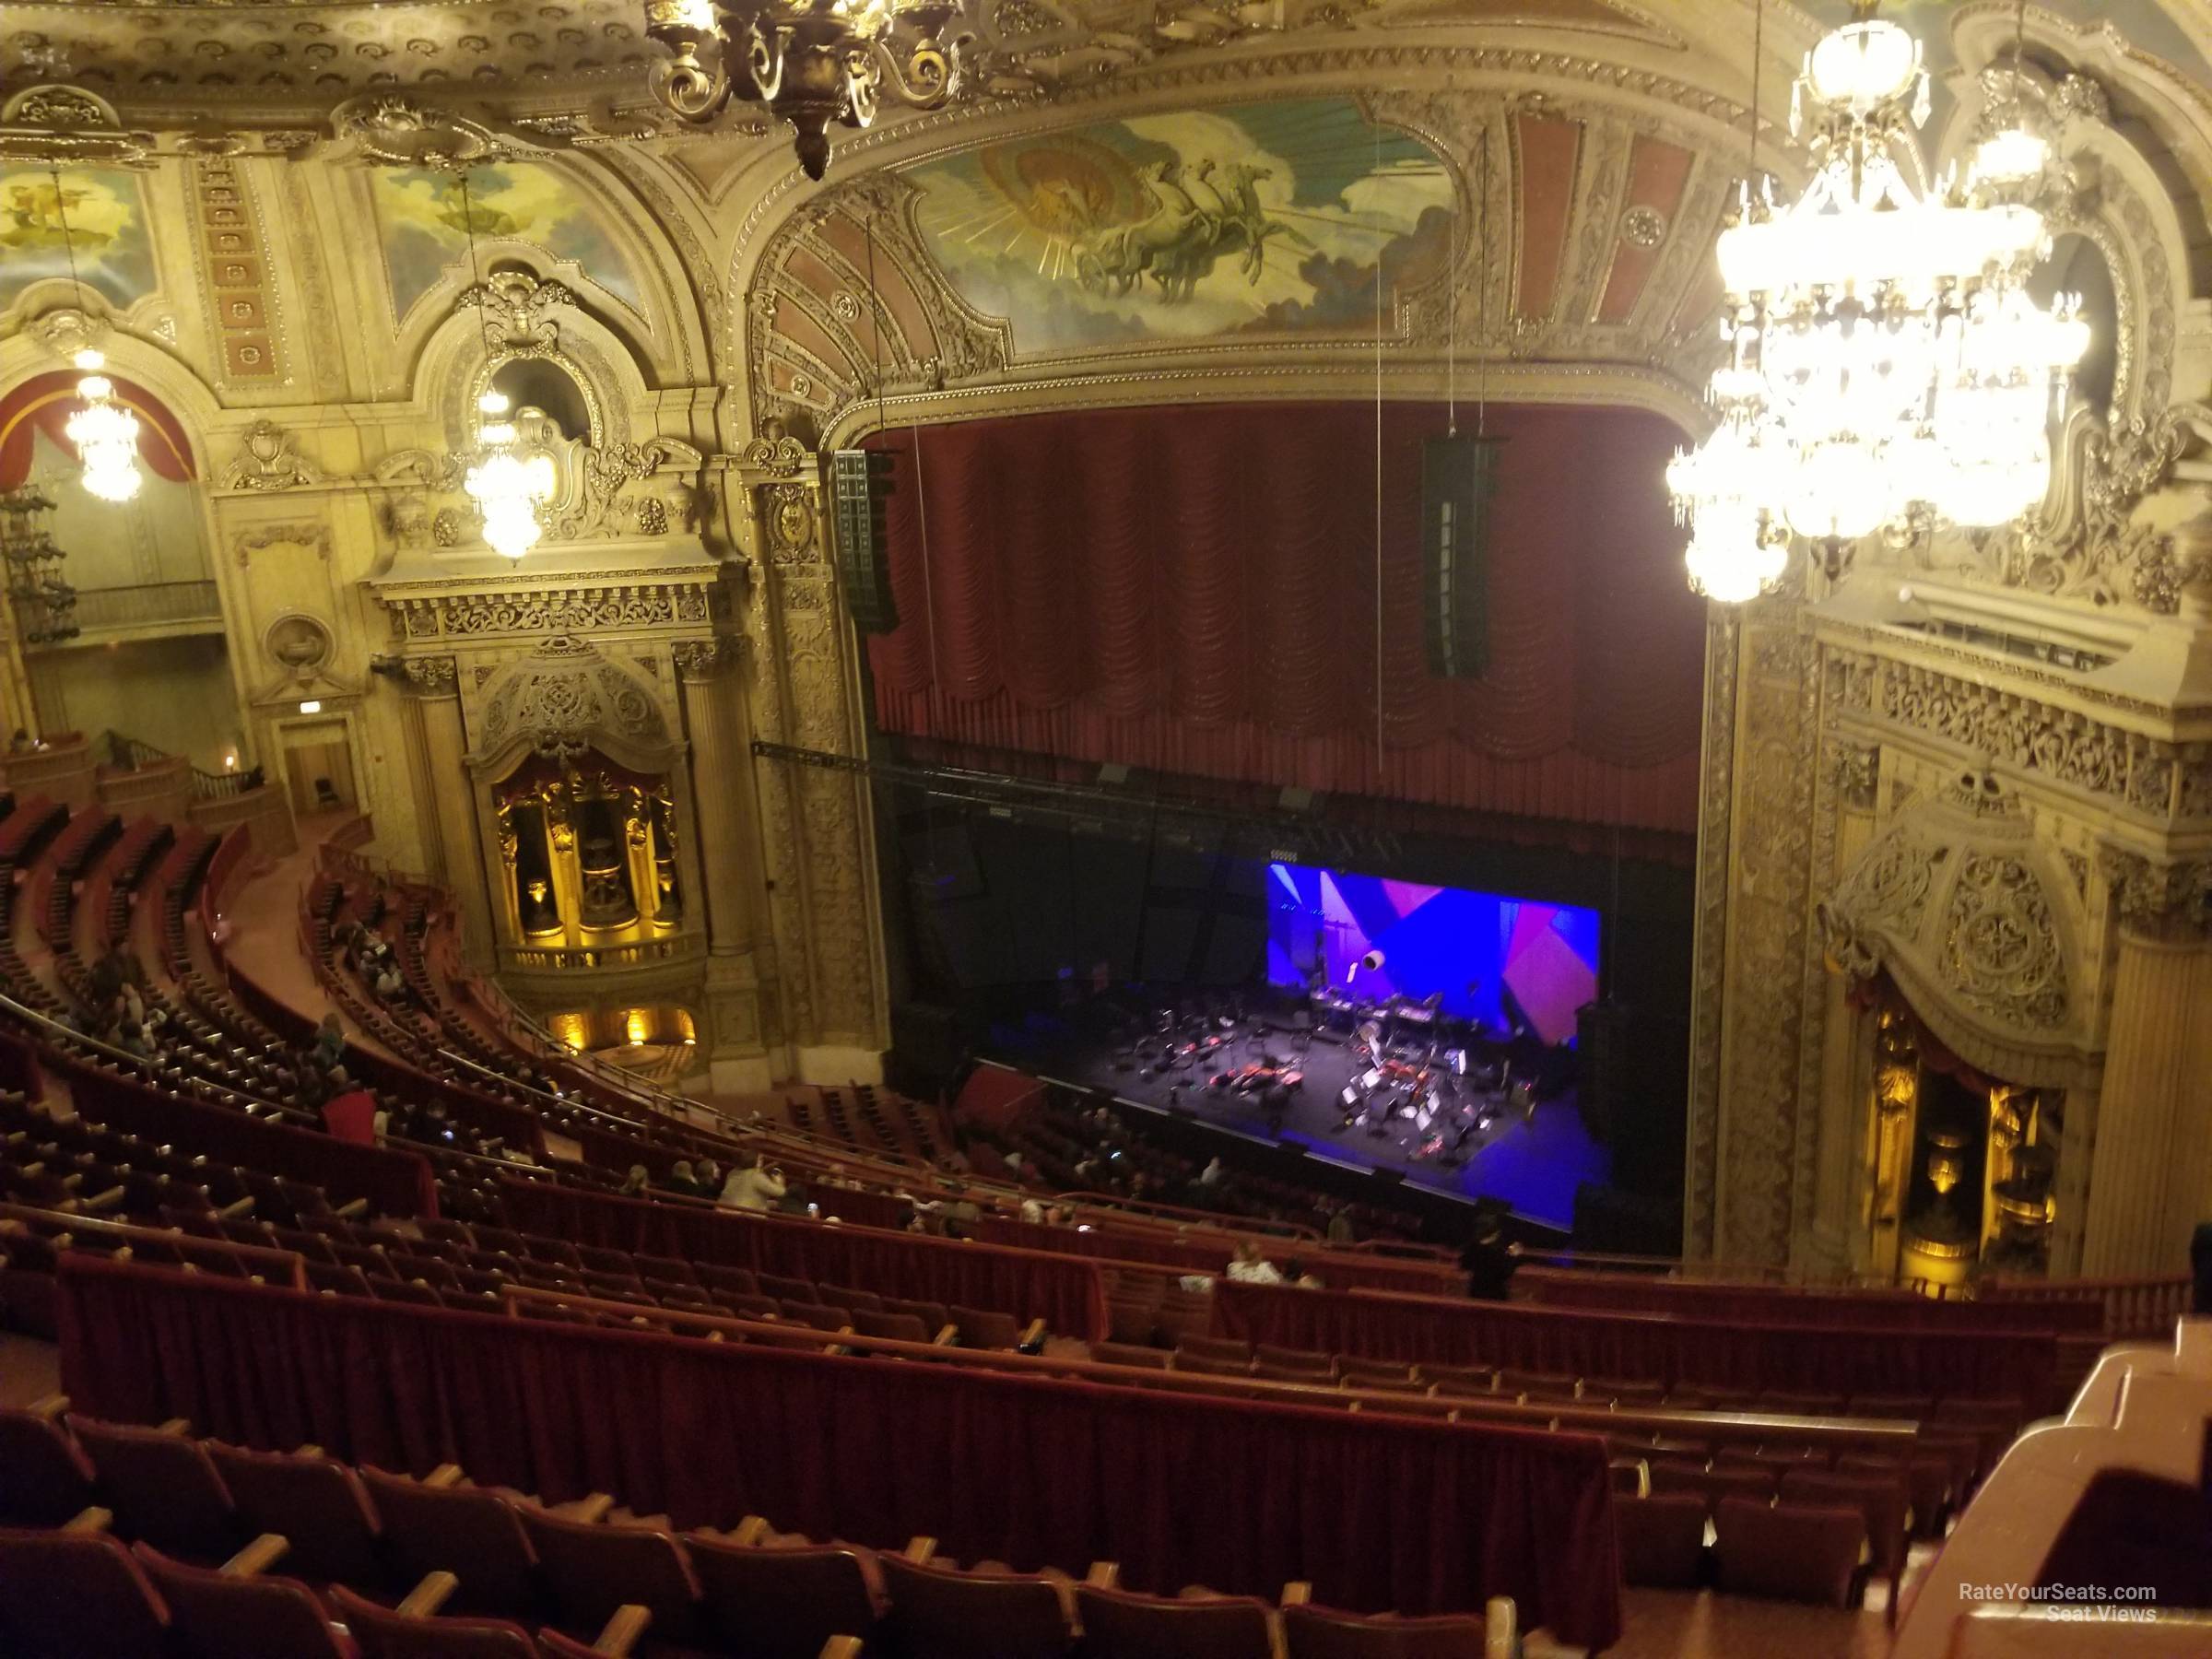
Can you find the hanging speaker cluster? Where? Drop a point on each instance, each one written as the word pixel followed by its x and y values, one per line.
pixel 859 481
pixel 1458 478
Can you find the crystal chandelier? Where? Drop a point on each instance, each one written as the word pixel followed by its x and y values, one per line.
pixel 811 62
pixel 1884 355
pixel 105 433
pixel 506 485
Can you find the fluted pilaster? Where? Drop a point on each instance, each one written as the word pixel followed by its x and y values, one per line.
pixel 2151 1178
pixel 722 790
pixel 442 794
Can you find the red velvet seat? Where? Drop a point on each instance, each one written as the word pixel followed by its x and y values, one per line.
pixel 986 1328
pixel 1207 1365
pixel 1311 1632
pixel 892 1327
pixel 1119 1624
pixel 1214 1347
pixel 939 1614
pixel 589 1571
pixel 1374 1373
pixel 465 1531
pixel 75 1596
pixel 1880 1499
pixel 45 1480
pixel 1662 1539
pixel 930 1314
pixel 403 1290
pixel 814 1314
pixel 837 1296
pixel 381 1633
pixel 315 1503
pixel 737 1281
pixel 1793 1552
pixel 163 1490
pixel 1122 1353
pixel 668 1267
pixel 783 1603
pixel 786 1288
pixel 214 1615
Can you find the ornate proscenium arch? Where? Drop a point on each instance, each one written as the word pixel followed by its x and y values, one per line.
pixel 1979 926
pixel 565 697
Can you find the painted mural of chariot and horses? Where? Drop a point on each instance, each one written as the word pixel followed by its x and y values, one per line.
pixel 1277 216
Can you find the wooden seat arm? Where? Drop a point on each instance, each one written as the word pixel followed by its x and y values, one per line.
pixel 425 1599
pixel 947 1336
pixel 237 1212
pixel 353 1210
pixel 1103 1575
pixel 1032 1334
pixel 174 1426
pixel 623 1630
pixel 919 1549
pixel 1296 1594
pixel 256 1558
pixel 444 1476
pixel 90 1520
pixel 841 1647
pixel 108 1200
pixel 587 1509
pixel 49 1406
pixel 749 1532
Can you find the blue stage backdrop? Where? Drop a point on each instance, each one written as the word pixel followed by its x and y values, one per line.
pixel 1473 948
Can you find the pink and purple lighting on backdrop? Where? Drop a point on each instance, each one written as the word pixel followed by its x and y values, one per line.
pixel 1471 948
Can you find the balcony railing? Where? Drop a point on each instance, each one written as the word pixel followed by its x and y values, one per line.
pixel 151 604
pixel 601 956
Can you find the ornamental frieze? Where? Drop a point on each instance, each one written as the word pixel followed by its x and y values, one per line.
pixel 2149 776
pixel 575 610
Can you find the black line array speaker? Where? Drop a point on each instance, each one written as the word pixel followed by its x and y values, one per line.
pixel 859 480
pixel 1458 474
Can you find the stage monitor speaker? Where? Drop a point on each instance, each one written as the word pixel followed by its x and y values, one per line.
pixel 859 480
pixel 1601 1046
pixel 1458 474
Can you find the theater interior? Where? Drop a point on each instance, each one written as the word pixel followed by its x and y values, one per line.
pixel 1030 828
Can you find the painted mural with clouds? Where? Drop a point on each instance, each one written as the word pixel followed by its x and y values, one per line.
pixel 94 214
pixel 1274 217
pixel 427 218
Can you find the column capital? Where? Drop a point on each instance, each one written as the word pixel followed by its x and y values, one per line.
pixel 706 659
pixel 432 676
pixel 2156 898
pixel 1858 770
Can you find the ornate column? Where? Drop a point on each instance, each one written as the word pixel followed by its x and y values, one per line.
pixel 1846 1096
pixel 817 833
pixel 438 746
pixel 721 785
pixel 2150 1177
pixel 725 842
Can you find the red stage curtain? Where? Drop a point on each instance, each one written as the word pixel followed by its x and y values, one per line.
pixel 1196 589
pixel 1065 1292
pixel 1378 1513
pixel 1765 1305
pixel 1989 1365
pixel 45 402
pixel 396 1182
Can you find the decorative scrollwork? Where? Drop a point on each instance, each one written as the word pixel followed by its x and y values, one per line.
pixel 2000 946
pixel 269 458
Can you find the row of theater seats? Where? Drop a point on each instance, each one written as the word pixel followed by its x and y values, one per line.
pixel 390 1567
pixel 465 1265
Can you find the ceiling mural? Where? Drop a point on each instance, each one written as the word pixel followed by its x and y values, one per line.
pixel 426 218
pixel 1274 217
pixel 95 213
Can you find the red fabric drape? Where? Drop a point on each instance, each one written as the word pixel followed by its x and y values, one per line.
pixel 1196 589
pixel 1065 1292
pixel 45 402
pixel 1378 1513
pixel 396 1182
pixel 1754 1304
pixel 1849 1359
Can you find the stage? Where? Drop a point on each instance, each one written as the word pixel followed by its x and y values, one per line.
pixel 1481 1136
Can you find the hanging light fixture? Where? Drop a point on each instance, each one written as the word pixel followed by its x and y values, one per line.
pixel 105 433
pixel 811 62
pixel 1881 339
pixel 507 486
